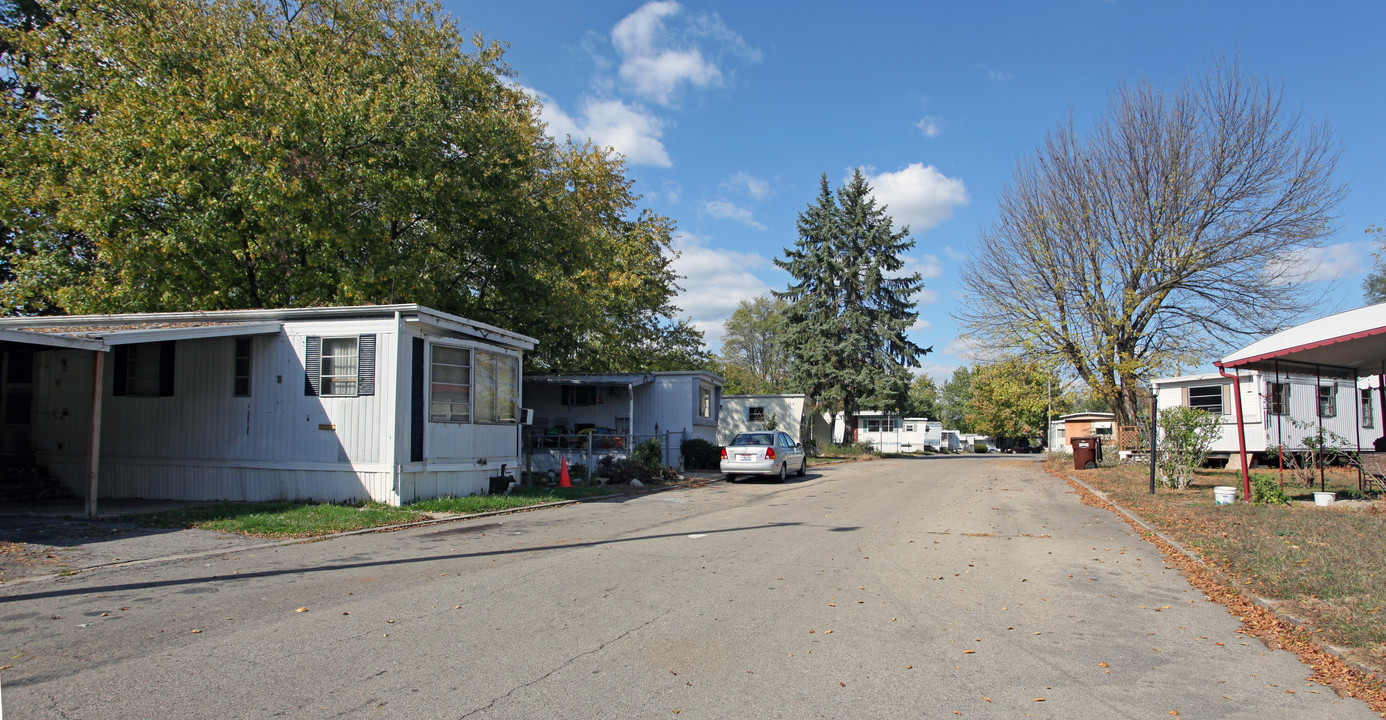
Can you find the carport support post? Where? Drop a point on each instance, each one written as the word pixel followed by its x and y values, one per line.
pixel 98 365
pixel 1241 425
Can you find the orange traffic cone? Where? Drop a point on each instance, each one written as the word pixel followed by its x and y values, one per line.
pixel 563 480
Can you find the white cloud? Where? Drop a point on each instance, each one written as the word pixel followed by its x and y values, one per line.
pixel 715 281
pixel 995 75
pixel 918 196
pixel 747 184
pixel 929 125
pixel 629 129
pixel 925 297
pixel 920 325
pixel 662 48
pixel 954 255
pixel 727 211
pixel 928 266
pixel 1331 262
pixel 940 372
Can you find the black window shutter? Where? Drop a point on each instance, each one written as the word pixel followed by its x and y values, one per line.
pixel 166 368
pixel 312 363
pixel 120 365
pixel 365 365
pixel 416 403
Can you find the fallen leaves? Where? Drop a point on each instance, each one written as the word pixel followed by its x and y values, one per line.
pixel 301 609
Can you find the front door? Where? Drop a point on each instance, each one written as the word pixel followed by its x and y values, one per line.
pixel 16 400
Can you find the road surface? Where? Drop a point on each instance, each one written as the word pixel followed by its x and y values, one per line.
pixel 911 588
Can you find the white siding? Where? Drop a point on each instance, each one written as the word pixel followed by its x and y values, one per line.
pixel 205 444
pixel 788 411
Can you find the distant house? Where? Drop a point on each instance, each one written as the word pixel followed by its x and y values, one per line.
pixel 895 433
pixel 392 403
pixel 790 413
pixel 1279 409
pixel 1101 425
pixel 618 410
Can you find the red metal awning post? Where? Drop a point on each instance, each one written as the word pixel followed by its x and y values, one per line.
pixel 1241 426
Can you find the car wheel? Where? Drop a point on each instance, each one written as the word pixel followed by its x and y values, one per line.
pixel 803 467
pixel 784 471
pixel 729 477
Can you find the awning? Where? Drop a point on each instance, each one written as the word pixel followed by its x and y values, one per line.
pixel 1349 344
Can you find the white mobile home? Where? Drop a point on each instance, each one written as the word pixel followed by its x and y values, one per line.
pixel 1279 409
pixel 390 402
pixel 1084 424
pixel 619 410
pixel 894 433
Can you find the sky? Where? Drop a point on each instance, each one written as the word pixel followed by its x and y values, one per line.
pixel 728 113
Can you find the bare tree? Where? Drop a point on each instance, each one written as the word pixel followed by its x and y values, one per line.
pixel 1182 221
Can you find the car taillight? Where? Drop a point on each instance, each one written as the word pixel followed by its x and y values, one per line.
pixel 769 453
pixel 724 453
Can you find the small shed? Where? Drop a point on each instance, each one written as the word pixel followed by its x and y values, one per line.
pixel 1082 424
pixel 391 403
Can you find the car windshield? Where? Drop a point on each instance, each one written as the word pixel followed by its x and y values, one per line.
pixel 761 439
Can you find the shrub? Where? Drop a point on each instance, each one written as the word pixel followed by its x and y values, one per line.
pixel 1266 490
pixel 649 453
pixel 1186 435
pixel 700 455
pixel 857 449
pixel 979 447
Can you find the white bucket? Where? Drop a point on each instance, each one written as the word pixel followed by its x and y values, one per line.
pixel 1324 499
pixel 1224 495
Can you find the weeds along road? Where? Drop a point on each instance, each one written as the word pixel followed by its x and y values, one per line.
pixel 893 589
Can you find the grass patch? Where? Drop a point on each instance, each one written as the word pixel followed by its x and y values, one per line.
pixel 521 497
pixel 282 519
pixel 1326 562
pixel 299 519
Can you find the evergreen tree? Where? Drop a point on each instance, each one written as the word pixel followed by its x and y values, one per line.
pixel 848 313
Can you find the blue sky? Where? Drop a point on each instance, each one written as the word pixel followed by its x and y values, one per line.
pixel 728 113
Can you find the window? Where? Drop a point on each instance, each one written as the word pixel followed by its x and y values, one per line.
pixel 877 424
pixel 450 388
pixel 1367 414
pixel 705 402
pixel 240 385
pixel 1279 398
pixel 497 387
pixel 338 374
pixel 143 370
pixel 1104 431
pixel 1207 398
pixel 339 366
pixel 1328 401
pixel 755 414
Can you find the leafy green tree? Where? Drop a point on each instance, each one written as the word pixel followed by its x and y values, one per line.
pixel 755 358
pixel 1010 398
pixel 924 398
pixel 240 153
pixel 954 400
pixel 847 311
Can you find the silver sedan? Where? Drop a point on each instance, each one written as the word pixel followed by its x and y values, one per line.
pixel 766 452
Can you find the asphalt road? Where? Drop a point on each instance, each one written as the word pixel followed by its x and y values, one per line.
pixel 894 589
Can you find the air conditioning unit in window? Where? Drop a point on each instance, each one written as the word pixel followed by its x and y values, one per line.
pixel 526 416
